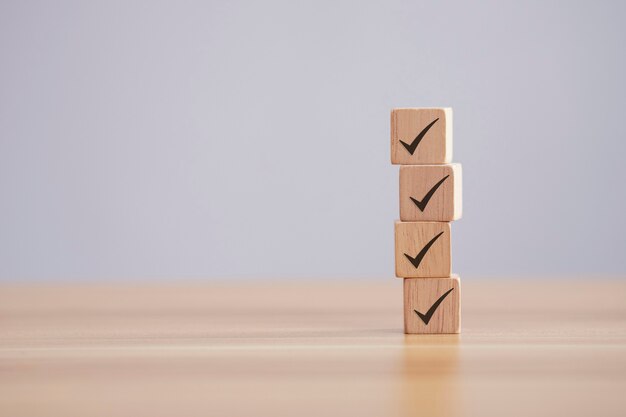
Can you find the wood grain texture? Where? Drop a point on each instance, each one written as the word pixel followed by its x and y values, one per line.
pixel 446 203
pixel 411 238
pixel 529 347
pixel 436 145
pixel 421 293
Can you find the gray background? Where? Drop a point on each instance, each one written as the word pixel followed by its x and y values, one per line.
pixel 251 139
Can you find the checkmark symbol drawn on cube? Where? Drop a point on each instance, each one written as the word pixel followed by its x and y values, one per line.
pixel 413 146
pixel 421 205
pixel 429 314
pixel 418 258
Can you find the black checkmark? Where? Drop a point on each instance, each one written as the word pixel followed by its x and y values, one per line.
pixel 416 261
pixel 426 317
pixel 422 204
pixel 413 146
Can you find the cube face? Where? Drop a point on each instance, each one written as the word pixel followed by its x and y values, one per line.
pixel 421 136
pixel 432 305
pixel 431 192
pixel 422 249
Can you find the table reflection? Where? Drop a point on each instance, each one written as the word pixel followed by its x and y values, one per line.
pixel 430 375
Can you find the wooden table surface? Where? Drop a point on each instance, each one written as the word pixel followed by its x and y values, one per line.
pixel 315 348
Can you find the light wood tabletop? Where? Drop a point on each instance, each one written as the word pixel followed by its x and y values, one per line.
pixel 312 348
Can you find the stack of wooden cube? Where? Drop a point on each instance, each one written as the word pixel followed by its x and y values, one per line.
pixel 430 198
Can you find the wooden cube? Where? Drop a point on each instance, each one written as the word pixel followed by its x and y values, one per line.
pixel 422 249
pixel 421 136
pixel 430 192
pixel 432 305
